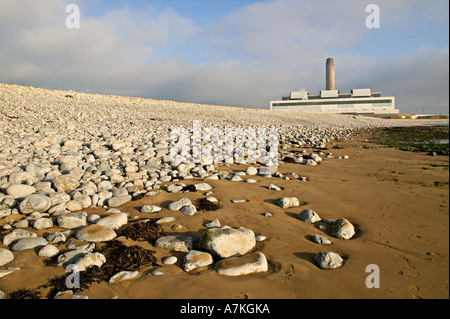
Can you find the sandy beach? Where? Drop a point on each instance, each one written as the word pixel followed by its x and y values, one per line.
pixel 400 214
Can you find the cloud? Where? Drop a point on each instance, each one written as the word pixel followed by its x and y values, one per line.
pixel 252 55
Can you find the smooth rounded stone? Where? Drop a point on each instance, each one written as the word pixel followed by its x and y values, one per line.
pixel 95 233
pixel 94 218
pixel 65 183
pixel 321 240
pixel 79 244
pixel 189 210
pixel 7 271
pixel 165 220
pixel 169 260
pixel 176 205
pixel 215 223
pixel 113 211
pixel 203 187
pixel 123 275
pixel 57 237
pixel 90 259
pixel 308 216
pixel 59 198
pixel 36 215
pixel 212 176
pixel 35 203
pixel 273 187
pixel 95 199
pixel 236 178
pixel 175 243
pixel 150 209
pixel 43 223
pixel 48 251
pixel 73 206
pixel 7 202
pixel 6 256
pixel 157 273
pixel 39 186
pixel 28 243
pixel 342 229
pixel 239 266
pixel 119 200
pixel 310 162
pixel 287 202
pixel 84 200
pixel 266 171
pixel 196 259
pixel 328 260
pixel 101 153
pixel 165 178
pixel 174 188
pixel 251 170
pixel 21 224
pixel 260 238
pixel 236 201
pixel 19 177
pixel 17 234
pixel 72 220
pixel 227 242
pixel 20 190
pixel 68 294
pixel 70 257
pixel 114 221
pixel 250 180
pixel 106 185
pixel 5 212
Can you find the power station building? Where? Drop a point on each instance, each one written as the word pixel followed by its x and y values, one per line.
pixel 330 100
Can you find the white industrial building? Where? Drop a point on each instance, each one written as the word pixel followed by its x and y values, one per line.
pixel 359 101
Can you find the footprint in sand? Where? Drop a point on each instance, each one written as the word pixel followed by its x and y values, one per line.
pixel 409 270
pixel 290 271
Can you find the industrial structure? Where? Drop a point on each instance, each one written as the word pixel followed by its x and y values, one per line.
pixel 330 100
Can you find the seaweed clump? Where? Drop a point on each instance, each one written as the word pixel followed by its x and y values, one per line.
pixel 190 188
pixel 24 294
pixel 288 159
pixel 205 204
pixel 144 231
pixel 118 258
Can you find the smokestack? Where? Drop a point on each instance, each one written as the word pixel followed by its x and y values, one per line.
pixel 330 74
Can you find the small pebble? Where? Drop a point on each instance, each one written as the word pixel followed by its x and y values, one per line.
pixel 169 260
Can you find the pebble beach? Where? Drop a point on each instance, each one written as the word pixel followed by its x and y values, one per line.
pixel 77 170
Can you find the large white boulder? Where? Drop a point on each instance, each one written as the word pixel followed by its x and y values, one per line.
pixel 238 266
pixel 227 242
pixel 342 229
pixel 286 202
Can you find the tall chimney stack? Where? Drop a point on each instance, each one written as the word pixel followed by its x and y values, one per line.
pixel 330 74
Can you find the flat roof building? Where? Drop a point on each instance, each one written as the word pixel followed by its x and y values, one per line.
pixel 359 101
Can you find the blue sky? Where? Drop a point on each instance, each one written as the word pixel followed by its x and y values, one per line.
pixel 238 53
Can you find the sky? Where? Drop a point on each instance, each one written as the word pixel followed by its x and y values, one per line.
pixel 241 53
